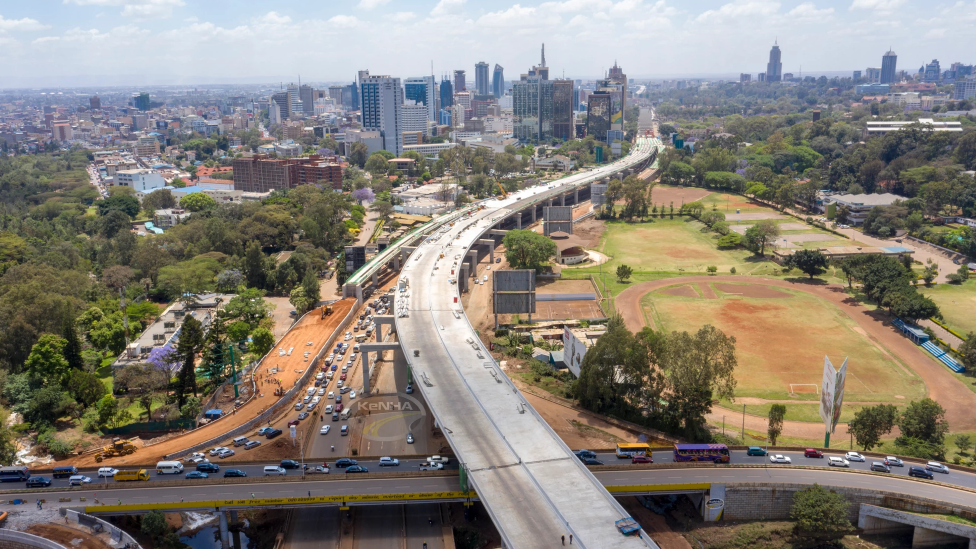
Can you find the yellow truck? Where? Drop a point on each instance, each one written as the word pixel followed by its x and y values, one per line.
pixel 121 476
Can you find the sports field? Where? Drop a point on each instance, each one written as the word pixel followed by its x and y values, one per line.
pixel 957 303
pixel 781 339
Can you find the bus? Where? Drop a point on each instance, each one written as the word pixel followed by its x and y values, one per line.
pixel 14 474
pixel 631 449
pixel 717 453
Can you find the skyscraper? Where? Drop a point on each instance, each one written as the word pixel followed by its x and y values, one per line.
pixel 481 78
pixel 933 73
pixel 532 105
pixel 306 95
pixel 447 93
pixel 459 84
pixel 888 63
pixel 774 69
pixel 421 90
pixel 95 103
pixel 498 81
pixel 141 101
pixel 562 109
pixel 382 100
pixel 598 115
pixel 617 76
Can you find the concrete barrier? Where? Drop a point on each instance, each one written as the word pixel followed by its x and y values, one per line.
pixel 116 533
pixel 12 539
pixel 926 531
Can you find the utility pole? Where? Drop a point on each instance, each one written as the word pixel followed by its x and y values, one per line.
pixel 743 423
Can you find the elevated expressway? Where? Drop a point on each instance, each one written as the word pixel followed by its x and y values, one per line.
pixel 532 485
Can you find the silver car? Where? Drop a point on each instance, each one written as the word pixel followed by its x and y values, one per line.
pixel 937 467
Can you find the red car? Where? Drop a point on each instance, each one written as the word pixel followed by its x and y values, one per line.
pixel 342 377
pixel 811 453
pixel 338 407
pixel 293 422
pixel 641 459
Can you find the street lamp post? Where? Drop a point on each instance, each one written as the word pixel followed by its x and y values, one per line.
pixel 743 424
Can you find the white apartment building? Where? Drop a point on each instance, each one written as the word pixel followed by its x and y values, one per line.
pixel 414 117
pixel 139 180
pixel 429 150
pixel 381 108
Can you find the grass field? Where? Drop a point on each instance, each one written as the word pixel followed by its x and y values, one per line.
pixel 957 303
pixel 782 340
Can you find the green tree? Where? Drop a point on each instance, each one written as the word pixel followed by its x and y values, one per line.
pixel 968 351
pixel 154 525
pixel 187 347
pixel 46 361
pixel 760 235
pixel 85 387
pixel 198 202
pixel 624 272
pixel 191 409
pixel 160 199
pixel 964 443
pixel 377 164
pixel 358 153
pixel 776 414
pixel 925 420
pixel 812 262
pixel 127 204
pixel 528 249
pixel 730 240
pixel 820 515
pixel 72 345
pixel 254 266
pixel 262 340
pixel 965 151
pixel 46 406
pixel 871 423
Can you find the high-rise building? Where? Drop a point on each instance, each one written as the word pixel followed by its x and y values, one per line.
pixel 873 74
pixel 961 71
pixel 498 81
pixel 562 109
pixel 414 117
pixel 618 77
pixel 932 73
pixel 964 89
pixel 422 90
pixel 307 96
pixel 598 115
pixel 335 93
pixel 857 75
pixel 381 100
pixel 774 69
pixel 481 78
pixel 350 97
pixel 459 84
pixel 888 63
pixel 617 93
pixel 447 93
pixel 532 108
pixel 141 101
pixel 95 103
pixel 261 174
pixel 745 77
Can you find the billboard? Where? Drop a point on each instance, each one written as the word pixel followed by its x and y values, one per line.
pixel 573 351
pixel 832 393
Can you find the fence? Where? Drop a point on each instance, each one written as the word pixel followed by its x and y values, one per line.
pixel 12 539
pixel 283 402
pixel 151 427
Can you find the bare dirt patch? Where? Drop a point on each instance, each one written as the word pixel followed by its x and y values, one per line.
pixel 681 291
pixel 752 290
pixel 589 231
pixel 707 291
pixel 677 195
pixel 680 252
pixel 555 310
pixel 564 287
pixel 752 216
pixel 68 537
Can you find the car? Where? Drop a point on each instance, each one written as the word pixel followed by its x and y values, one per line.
pixel 328 409
pixel 307 399
pixel 217 450
pixel 591 461
pixel 409 438
pixel 293 422
pixel 311 406
pixel 756 451
pixel 272 433
pixel 321 469
pixel 265 430
pixel 197 459
pixel 208 467
pixel 431 466
pixel 892 461
pixel 356 469
pixel 78 480
pixel 641 459
pixel 335 416
pixel 344 430
pixel 225 454
pixel 196 474
pixel 854 456
pixel 389 462
pixel 915 471
pixel 331 395
pixel 338 398
pixel 352 394
pixel 325 429
pixel 779 458
pixel 321 392
pixel 880 467
pixel 498 260
pixel 584 454
pixel 319 376
pixel 299 405
pixel 252 444
pixel 342 377
pixel 38 482
pixel 936 467
pixel 835 461
pixel 339 384
pixel 290 464
pixel 344 462
pixel 106 472
pixel 409 388
pixel 335 367
pixel 302 416
pixel 234 473
pixel 812 453
pixel 338 407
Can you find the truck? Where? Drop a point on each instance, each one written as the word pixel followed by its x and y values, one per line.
pixel 118 447
pixel 121 476
pixel 439 459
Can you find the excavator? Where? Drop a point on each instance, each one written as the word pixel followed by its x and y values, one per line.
pixel 326 311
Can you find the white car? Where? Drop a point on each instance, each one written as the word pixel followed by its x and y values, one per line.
pixel 331 395
pixel 937 467
pixel 226 453
pixel 352 394
pixel 325 429
pixel 322 391
pixel 194 456
pixel 854 456
pixel 328 409
pixel 838 462
pixel 779 458
pixel 106 472
pixel 431 466
pixel 218 450
pixel 389 462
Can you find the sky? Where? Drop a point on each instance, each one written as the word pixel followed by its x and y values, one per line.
pixel 70 43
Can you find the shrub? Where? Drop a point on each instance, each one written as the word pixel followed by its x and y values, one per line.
pixel 712 269
pixel 730 240
pixel 732 270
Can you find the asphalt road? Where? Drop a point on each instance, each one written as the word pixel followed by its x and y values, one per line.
pixel 312 528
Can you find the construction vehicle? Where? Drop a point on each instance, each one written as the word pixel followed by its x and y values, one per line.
pixel 118 447
pixel 326 311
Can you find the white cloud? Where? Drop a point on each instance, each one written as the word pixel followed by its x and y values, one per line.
pixel 137 9
pixel 403 16
pixel 344 21
pixel 447 7
pixel 737 9
pixel 25 24
pixel 936 33
pixel 370 4
pixel 516 16
pixel 808 10
pixel 877 5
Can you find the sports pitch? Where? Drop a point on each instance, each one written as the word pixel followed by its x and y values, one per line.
pixel 781 339
pixel 957 303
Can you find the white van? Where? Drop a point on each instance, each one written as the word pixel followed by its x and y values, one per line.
pixel 344 415
pixel 169 468
pixel 274 470
pixel 240 441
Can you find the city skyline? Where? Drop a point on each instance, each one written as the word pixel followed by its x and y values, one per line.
pixel 116 42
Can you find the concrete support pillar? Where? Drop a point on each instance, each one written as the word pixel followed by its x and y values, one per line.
pixel 376 279
pixel 236 534
pixel 576 196
pixel 224 533
pixel 562 199
pixel 923 537
pixel 462 279
pixel 533 214
pixel 365 361
pixel 518 220
pixel 396 263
